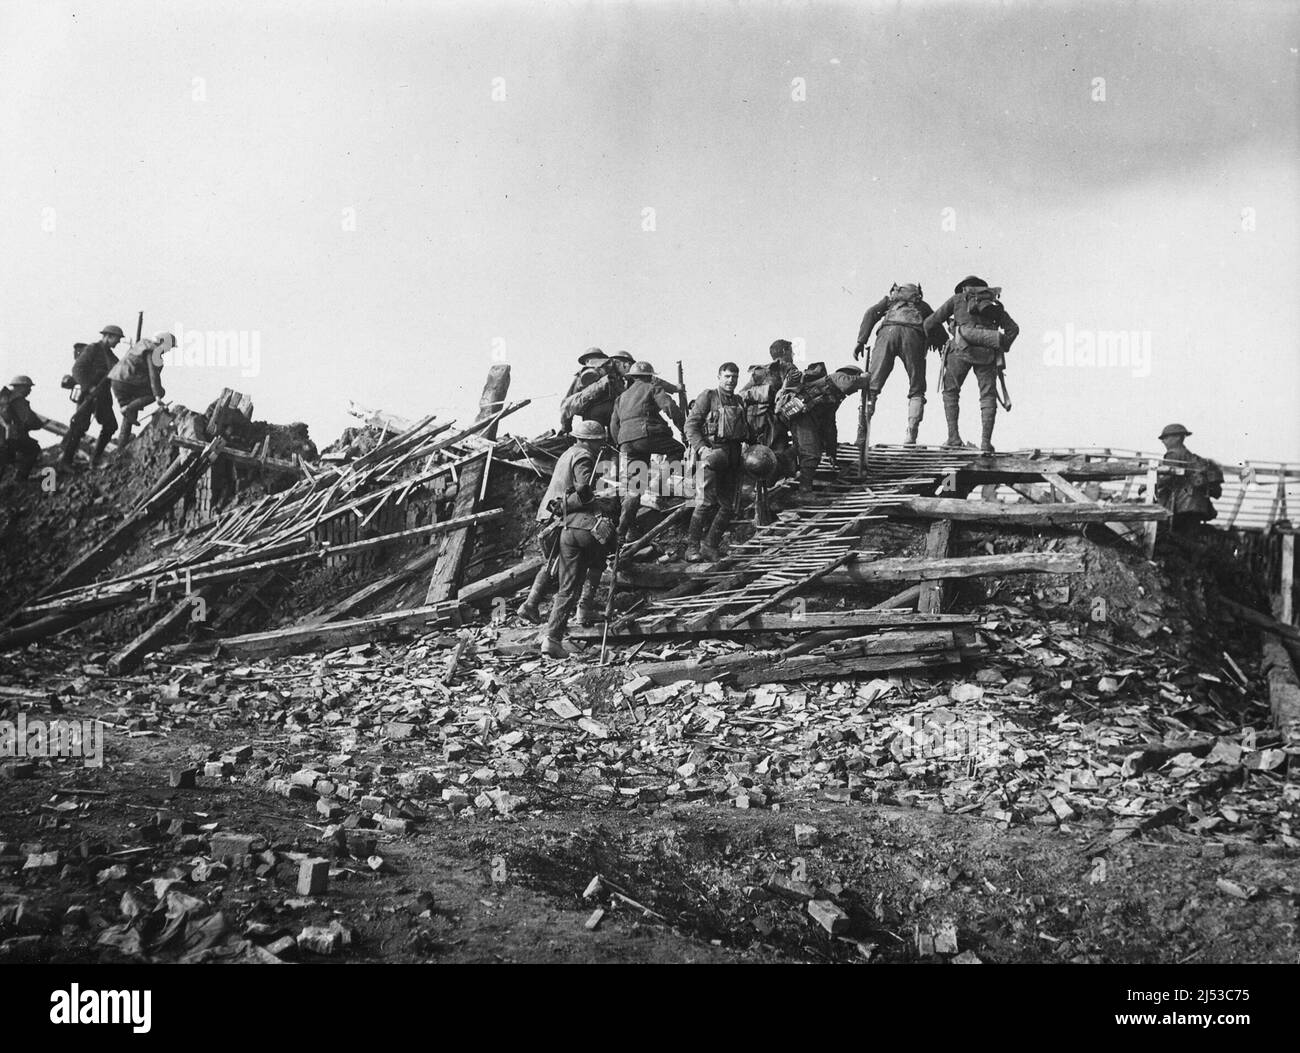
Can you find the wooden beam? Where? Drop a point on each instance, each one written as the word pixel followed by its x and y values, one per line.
pixel 239 457
pixel 1287 576
pixel 852 622
pixel 448 570
pixel 328 637
pixel 1052 514
pixel 936 547
pixel 166 627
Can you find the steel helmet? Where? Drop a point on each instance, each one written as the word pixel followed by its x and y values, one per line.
pixel 970 279
pixel 112 330
pixel 1173 429
pixel 592 354
pixel 588 430
pixel 641 369
pixel 21 381
pixel 623 356
pixel 761 462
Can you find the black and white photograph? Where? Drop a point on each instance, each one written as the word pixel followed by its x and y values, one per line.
pixel 648 483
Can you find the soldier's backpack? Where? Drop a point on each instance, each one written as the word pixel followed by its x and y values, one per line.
pixel 904 307
pixel 978 315
pixel 759 411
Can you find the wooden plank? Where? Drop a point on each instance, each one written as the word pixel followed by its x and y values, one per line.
pixel 449 568
pixel 239 457
pixel 169 625
pixel 1030 515
pixel 936 547
pixel 852 622
pixel 789 590
pixel 328 637
pixel 1287 578
pixel 1068 489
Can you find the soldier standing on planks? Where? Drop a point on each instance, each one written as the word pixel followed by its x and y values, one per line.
pixel 90 373
pixel 982 333
pixel 1187 496
pixel 587 533
pixel 638 428
pixel 136 380
pixel 17 421
pixel 811 410
pixel 716 427
pixel 901 315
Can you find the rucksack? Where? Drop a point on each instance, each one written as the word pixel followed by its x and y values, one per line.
pixel 978 316
pixel 904 307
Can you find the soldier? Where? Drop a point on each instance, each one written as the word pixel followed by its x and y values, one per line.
pixel 811 409
pixel 760 394
pixel 622 361
pixel 715 428
pixel 901 315
pixel 1187 496
pixel 638 428
pixel 90 373
pixel 587 534
pixel 596 401
pixel 17 421
pixel 136 380
pixel 982 334
pixel 587 376
pixel 592 358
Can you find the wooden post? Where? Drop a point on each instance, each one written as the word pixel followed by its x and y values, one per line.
pixel 936 547
pixel 447 572
pixel 1288 577
pixel 1153 527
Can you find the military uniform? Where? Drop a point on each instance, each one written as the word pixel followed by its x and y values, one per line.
pixel 17 447
pixel 816 429
pixel 637 427
pixel 983 332
pixel 136 382
pixel 596 401
pixel 90 370
pixel 901 316
pixel 716 427
pixel 1188 496
pixel 580 548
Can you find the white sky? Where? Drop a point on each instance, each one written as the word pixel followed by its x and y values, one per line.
pixel 218 203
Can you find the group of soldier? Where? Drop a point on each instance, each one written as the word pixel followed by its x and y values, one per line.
pixel 97 379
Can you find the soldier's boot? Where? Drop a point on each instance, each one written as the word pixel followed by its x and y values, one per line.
pixel 68 448
pixel 553 648
pixel 588 611
pixel 806 482
pixel 695 531
pixel 530 610
pixel 101 444
pixel 124 432
pixel 915 411
pixel 950 411
pixel 709 548
pixel 988 414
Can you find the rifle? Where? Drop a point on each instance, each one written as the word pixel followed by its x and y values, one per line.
pixel 1004 396
pixel 139 326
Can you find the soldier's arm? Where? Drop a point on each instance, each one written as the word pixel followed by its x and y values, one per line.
pixel 874 313
pixel 669 405
pixel 934 322
pixel 1009 330
pixel 926 311
pixel 695 420
pixel 613 423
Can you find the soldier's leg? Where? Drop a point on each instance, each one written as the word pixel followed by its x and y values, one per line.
pixel 77 427
pixel 573 572
pixel 914 363
pixel 880 365
pixel 132 401
pixel 107 422
pixel 954 373
pixel 529 610
pixel 807 444
pixel 706 507
pixel 987 378
pixel 728 494
pixel 26 452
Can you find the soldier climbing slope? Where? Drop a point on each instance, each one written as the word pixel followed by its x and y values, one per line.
pixel 136 380
pixel 982 334
pixel 90 375
pixel 901 315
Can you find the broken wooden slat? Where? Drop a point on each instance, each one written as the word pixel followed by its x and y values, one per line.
pixel 451 556
pixel 330 636
pixel 1031 515
pixel 789 590
pixel 852 622
pixel 169 625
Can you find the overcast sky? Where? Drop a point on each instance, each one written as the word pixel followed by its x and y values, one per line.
pixel 337 182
